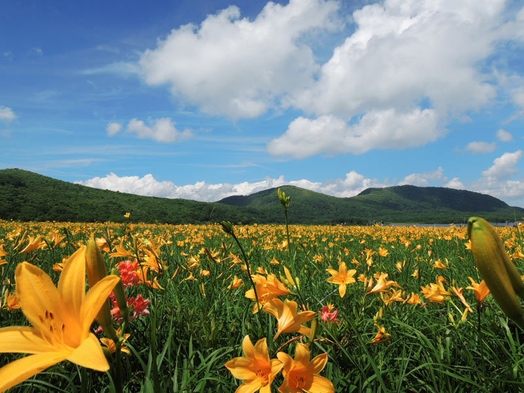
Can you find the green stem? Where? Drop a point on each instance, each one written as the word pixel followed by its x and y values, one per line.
pixel 481 342
pixel 244 256
pixel 154 368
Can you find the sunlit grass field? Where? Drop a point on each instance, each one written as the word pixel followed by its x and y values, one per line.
pixel 411 318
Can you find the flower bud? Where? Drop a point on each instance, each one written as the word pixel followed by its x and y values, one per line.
pixel 96 271
pixel 121 298
pixel 285 200
pixel 497 270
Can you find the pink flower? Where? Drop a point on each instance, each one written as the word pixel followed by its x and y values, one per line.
pixel 128 273
pixel 328 315
pixel 137 307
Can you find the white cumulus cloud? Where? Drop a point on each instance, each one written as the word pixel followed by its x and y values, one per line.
pixel 499 179
pixel 352 184
pixel 504 166
pixel 113 128
pixel 504 136
pixel 237 67
pixel 424 179
pixel 160 130
pixel 481 147
pixel 404 52
pixel 6 114
pixel 402 57
pixel 385 129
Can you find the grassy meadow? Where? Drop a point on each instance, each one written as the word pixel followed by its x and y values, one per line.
pixel 411 319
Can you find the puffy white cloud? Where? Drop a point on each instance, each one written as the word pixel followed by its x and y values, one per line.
pixel 424 179
pixel 385 129
pixel 147 185
pixel 352 184
pixel 200 191
pixel 455 183
pixel 237 67
pixel 401 58
pixel 504 166
pixel 498 182
pixel 481 147
pixel 6 114
pixel 404 52
pixel 504 136
pixel 160 130
pixel 113 128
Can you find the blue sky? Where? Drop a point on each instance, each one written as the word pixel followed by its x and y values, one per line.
pixel 203 99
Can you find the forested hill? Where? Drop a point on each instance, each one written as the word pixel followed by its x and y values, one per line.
pixel 27 196
pixel 399 204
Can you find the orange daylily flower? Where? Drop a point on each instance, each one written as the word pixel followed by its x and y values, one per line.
pixel 383 252
pixel 10 301
pixel 61 319
pixel 289 320
pixel 301 374
pixel 121 252
pixel 393 296
pixel 381 336
pixel 255 367
pixel 382 284
pixel 268 288
pixel 435 293
pixel 34 244
pixel 237 282
pixel 341 277
pixel 414 298
pixel 439 265
pixel 481 290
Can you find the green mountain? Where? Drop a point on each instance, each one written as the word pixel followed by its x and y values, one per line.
pixel 27 196
pixel 398 204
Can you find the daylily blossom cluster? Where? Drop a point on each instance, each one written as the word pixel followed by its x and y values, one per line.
pixel 256 368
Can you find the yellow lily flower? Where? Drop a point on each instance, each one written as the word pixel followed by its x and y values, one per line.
pixel 255 367
pixel 121 251
pixel 341 277
pixel 381 336
pixel 288 319
pixel 34 244
pixel 383 284
pixel 436 293
pixel 481 290
pixel 60 318
pixel 301 374
pixel 267 289
pixel 237 282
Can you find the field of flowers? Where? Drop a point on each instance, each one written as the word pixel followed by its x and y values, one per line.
pixel 340 308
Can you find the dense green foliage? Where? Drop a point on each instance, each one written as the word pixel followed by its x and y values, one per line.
pixel 26 196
